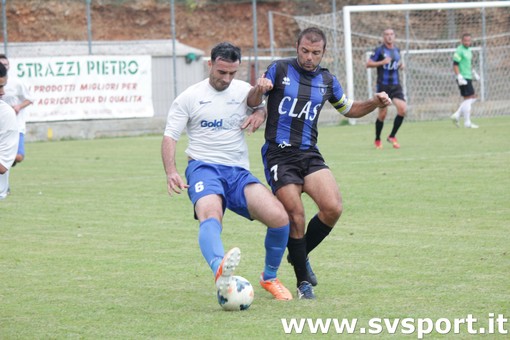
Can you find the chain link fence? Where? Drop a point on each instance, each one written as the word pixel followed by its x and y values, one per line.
pixel 427 40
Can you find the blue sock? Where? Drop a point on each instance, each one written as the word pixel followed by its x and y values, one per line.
pixel 275 243
pixel 209 240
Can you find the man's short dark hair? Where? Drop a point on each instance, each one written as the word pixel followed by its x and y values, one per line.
pixel 3 71
pixel 313 34
pixel 226 51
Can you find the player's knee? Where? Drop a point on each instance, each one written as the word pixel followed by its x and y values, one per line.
pixel 402 111
pixel 280 219
pixel 19 158
pixel 332 213
pixel 297 223
pixel 336 211
pixel 297 219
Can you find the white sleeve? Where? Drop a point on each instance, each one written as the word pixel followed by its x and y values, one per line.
pixel 8 147
pixel 9 135
pixel 177 118
pixel 24 93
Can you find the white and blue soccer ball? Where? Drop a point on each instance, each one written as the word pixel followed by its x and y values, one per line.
pixel 238 295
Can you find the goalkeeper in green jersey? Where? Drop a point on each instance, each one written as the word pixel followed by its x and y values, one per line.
pixel 464 73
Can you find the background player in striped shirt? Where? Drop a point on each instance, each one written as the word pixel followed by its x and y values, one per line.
pixel 388 62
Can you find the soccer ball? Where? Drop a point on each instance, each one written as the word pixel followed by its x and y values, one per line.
pixel 239 295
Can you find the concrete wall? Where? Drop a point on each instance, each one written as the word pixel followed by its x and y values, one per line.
pixel 91 129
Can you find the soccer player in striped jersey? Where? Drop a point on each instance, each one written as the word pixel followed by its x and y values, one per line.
pixel 388 62
pixel 292 161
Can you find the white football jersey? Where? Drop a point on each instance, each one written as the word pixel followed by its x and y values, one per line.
pixel 213 122
pixel 9 135
pixel 16 93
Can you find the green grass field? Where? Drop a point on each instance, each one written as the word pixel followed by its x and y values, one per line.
pixel 92 247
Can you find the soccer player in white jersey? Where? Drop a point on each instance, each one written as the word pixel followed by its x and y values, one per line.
pixel 8 136
pixel 215 113
pixel 18 97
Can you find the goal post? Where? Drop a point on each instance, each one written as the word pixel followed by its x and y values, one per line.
pixel 347 10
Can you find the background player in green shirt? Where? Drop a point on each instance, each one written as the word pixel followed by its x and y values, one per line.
pixel 462 66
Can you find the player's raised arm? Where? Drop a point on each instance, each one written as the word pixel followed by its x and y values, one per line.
pixel 256 94
pixel 362 108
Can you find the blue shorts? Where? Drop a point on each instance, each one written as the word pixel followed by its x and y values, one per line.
pixel 21 144
pixel 214 179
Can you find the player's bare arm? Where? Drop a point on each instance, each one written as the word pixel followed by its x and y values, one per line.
pixel 3 169
pixel 255 120
pixel 21 105
pixel 256 94
pixel 456 69
pixel 362 108
pixel 371 63
pixel 175 184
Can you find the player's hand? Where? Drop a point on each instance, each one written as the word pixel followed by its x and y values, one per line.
pixel 175 184
pixel 381 99
pixel 263 84
pixel 460 80
pixel 256 95
pixel 254 121
pixel 476 76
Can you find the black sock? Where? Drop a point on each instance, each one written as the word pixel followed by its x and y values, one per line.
pixel 297 253
pixel 396 125
pixel 315 233
pixel 378 128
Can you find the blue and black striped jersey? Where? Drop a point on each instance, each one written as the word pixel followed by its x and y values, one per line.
pixel 387 74
pixel 296 100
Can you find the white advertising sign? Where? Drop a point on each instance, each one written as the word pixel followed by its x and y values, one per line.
pixel 86 87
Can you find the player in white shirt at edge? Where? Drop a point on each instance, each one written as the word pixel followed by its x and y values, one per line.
pixel 18 97
pixel 8 136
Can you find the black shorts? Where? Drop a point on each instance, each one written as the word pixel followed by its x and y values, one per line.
pixel 393 91
pixel 289 165
pixel 467 90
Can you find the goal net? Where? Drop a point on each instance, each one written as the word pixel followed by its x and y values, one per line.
pixel 427 39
